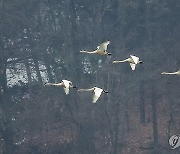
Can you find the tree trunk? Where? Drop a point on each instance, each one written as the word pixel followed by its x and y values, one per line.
pixel 75 62
pixel 36 62
pixel 127 120
pixel 142 103
pixel 3 65
pixel 154 119
pixel 169 124
pixel 115 134
pixel 48 68
pixel 55 69
pixel 7 131
pixel 28 71
pixel 86 135
pixel 3 78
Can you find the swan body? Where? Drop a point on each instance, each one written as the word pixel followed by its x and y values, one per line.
pixel 101 49
pixel 96 93
pixel 172 73
pixel 65 84
pixel 132 60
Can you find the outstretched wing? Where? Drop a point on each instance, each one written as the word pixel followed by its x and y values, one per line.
pixel 97 94
pixel 133 66
pixel 67 86
pixel 103 46
pixel 135 59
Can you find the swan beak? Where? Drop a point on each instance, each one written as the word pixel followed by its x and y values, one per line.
pixel 106 91
pixel 109 54
pixel 141 62
pixel 75 87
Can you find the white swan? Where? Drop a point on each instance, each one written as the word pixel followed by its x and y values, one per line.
pixel 97 92
pixel 172 73
pixel 132 60
pixel 101 49
pixel 65 84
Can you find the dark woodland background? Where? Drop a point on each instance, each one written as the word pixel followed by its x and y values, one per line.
pixel 42 38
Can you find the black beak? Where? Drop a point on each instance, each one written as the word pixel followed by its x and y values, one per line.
pixel 75 87
pixel 141 62
pixel 109 54
pixel 105 91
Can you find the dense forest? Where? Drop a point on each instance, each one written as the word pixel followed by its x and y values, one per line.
pixel 40 42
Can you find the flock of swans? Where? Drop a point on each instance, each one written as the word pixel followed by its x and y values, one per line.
pixel 102 50
pixel 68 84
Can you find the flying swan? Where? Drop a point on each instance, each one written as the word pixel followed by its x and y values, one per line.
pixel 101 49
pixel 65 84
pixel 132 60
pixel 96 92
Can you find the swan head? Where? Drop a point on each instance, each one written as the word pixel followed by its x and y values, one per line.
pixel 109 54
pixel 105 91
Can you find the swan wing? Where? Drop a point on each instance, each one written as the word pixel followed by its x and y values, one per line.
pixel 135 59
pixel 66 86
pixel 133 66
pixel 66 90
pixel 103 46
pixel 97 94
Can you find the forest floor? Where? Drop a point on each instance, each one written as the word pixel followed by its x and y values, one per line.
pixel 139 140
